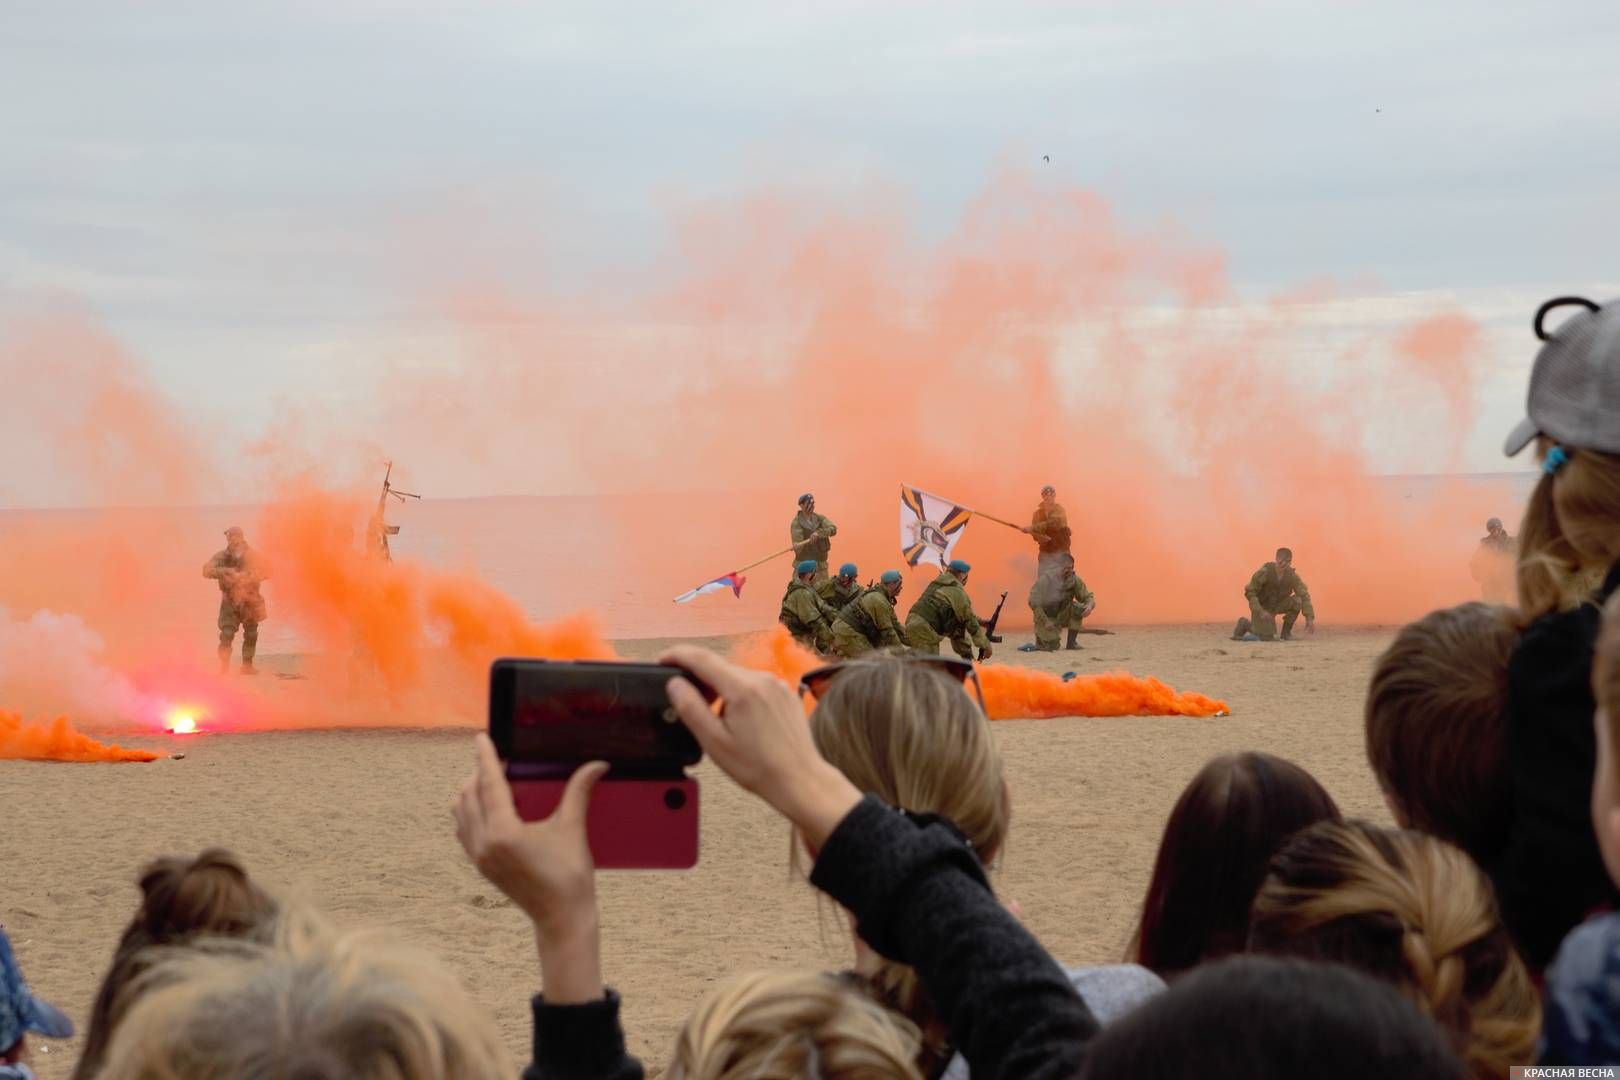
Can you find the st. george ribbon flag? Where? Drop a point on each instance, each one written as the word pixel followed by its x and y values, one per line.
pixel 929 527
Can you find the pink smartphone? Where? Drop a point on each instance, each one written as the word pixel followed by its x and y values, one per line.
pixel 548 717
pixel 634 823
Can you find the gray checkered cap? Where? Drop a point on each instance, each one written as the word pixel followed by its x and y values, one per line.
pixel 1575 384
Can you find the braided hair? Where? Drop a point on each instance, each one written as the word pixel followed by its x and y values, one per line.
pixel 1412 910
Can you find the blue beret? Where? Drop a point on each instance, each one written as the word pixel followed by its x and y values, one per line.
pixel 808 566
pixel 890 577
pixel 848 570
pixel 958 567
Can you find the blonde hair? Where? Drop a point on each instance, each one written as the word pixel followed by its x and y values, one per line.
pixel 911 735
pixel 313 1003
pixel 1414 911
pixel 1571 531
pixel 787 1026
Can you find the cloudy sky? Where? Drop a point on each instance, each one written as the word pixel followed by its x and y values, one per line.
pixel 227 184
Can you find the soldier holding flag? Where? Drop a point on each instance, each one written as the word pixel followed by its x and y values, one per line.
pixel 812 535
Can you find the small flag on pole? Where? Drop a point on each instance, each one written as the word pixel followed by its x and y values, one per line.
pixel 929 527
pixel 733 581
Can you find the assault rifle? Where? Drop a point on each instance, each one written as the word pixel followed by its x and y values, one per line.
pixel 995 617
pixel 378 530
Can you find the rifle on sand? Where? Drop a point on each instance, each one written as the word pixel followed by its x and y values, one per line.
pixel 995 617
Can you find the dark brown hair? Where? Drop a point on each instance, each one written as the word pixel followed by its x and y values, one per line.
pixel 181 900
pixel 1412 910
pixel 1436 733
pixel 1220 837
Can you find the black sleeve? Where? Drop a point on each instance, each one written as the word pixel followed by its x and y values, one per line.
pixel 919 896
pixel 1550 875
pixel 580 1042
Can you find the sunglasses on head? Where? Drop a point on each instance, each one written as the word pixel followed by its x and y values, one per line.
pixel 816 681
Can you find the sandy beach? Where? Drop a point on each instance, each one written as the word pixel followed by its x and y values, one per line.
pixel 357 823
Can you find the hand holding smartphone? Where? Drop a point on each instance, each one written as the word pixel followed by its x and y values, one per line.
pixel 547 718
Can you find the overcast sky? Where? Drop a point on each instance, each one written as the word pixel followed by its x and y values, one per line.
pixel 222 182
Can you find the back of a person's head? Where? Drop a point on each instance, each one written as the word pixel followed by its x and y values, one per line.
pixel 1225 827
pixel 1262 1018
pixel 793 1026
pixel 1436 738
pixel 181 900
pixel 1571 531
pixel 911 735
pixel 914 737
pixel 1414 911
pixel 312 1003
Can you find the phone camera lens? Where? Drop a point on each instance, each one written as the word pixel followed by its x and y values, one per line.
pixel 674 798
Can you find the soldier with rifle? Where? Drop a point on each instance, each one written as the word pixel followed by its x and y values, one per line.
pixel 840 590
pixel 238 570
pixel 944 611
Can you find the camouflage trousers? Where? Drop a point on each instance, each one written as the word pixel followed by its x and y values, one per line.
pixel 925 639
pixel 849 642
pixel 1264 623
pixel 1049 625
pixel 232 616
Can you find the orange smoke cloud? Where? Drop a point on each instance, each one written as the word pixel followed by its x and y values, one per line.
pixel 804 345
pixel 1012 693
pixel 1019 694
pixel 407 643
pixel 57 741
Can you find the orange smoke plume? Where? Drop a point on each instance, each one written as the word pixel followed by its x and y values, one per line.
pixel 775 651
pixel 57 741
pixel 1012 693
pixel 411 644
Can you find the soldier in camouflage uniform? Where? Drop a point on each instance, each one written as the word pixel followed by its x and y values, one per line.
pixel 1049 525
pixel 238 571
pixel 944 611
pixel 840 590
pixel 812 535
pixel 869 621
pixel 1276 589
pixel 1060 601
pixel 804 613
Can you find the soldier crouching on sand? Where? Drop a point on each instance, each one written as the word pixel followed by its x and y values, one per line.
pixel 1275 589
pixel 944 611
pixel 804 612
pixel 238 571
pixel 1060 601
pixel 869 622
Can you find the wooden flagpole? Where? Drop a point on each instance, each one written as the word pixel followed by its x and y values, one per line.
pixel 766 559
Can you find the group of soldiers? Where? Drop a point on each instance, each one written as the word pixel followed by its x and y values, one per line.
pixel 836 615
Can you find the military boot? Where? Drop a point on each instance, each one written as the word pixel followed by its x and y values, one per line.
pixel 1074 640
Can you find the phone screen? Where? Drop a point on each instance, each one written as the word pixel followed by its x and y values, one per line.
pixel 554 711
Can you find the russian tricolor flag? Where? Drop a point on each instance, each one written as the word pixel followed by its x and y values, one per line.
pixel 733 581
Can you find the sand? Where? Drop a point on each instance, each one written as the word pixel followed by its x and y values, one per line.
pixel 358 824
